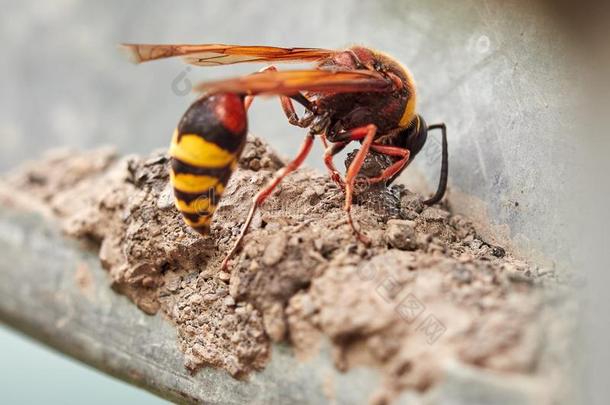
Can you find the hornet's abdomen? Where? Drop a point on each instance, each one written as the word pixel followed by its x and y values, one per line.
pixel 204 152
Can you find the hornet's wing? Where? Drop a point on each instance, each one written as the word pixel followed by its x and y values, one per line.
pixel 219 54
pixel 292 81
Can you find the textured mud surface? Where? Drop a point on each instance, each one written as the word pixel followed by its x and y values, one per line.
pixel 429 290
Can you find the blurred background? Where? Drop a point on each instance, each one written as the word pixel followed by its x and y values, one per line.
pixel 518 83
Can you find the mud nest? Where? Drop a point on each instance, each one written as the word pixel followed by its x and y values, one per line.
pixel 428 290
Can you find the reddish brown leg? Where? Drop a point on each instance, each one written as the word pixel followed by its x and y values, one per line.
pixel 331 151
pixel 287 105
pixel 291 114
pixel 248 102
pixel 366 134
pixel 266 192
pixel 324 140
pixel 396 167
pixel 249 99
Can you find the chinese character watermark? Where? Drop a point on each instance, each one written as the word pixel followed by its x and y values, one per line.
pixel 409 308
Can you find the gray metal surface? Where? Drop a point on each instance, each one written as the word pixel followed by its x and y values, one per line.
pixel 499 73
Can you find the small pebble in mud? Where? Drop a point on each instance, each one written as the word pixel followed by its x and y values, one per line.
pixel 229 301
pixel 462 275
pixel 434 214
pixel 497 251
pixel 274 322
pixel 412 202
pixel 149 282
pixel 172 283
pixel 195 299
pixel 166 199
pixel 255 164
pixel 275 249
pixel 401 235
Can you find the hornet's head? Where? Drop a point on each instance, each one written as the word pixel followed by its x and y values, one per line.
pixel 415 136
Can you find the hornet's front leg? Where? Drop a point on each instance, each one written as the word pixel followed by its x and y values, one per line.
pixel 365 134
pixel 288 106
pixel 329 153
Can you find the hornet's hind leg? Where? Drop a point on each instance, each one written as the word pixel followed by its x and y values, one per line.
pixel 266 192
pixel 261 196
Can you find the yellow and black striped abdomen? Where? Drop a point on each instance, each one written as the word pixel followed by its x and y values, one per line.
pixel 204 152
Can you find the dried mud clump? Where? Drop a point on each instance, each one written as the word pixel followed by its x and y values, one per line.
pixel 428 290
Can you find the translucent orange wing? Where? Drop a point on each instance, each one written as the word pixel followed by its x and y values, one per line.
pixel 219 54
pixel 291 81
